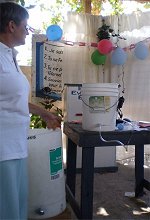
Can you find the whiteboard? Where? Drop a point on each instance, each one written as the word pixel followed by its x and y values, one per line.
pixel 47 67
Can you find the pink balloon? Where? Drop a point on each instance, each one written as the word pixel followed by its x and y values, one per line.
pixel 105 46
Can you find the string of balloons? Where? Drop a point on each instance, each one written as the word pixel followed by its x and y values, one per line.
pixel 103 48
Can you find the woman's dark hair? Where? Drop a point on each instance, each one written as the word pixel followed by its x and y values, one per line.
pixel 10 11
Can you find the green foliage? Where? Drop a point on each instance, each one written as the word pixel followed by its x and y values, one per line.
pixel 96 7
pixel 56 19
pixel 37 122
pixel 76 5
pixel 104 32
pixel 48 104
pixel 21 2
pixel 147 5
pixel 117 6
pixel 56 11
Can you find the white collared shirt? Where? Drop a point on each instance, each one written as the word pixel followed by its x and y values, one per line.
pixel 14 111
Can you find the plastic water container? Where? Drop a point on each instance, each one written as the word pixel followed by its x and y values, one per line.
pixel 99 102
pixel 47 196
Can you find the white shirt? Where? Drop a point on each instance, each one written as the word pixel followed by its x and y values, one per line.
pixel 14 111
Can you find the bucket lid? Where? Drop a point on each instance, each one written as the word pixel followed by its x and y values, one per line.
pixel 100 85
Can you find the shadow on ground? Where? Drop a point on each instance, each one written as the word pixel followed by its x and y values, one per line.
pixel 110 201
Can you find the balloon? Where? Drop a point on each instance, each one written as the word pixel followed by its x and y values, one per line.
pixel 118 57
pixel 97 58
pixel 141 51
pixel 105 46
pixel 54 33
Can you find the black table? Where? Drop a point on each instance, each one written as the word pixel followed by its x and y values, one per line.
pixel 88 140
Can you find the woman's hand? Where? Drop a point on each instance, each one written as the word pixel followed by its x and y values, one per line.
pixel 52 121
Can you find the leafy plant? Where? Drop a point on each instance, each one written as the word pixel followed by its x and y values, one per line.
pixel 22 2
pixel 117 6
pixel 37 122
pixel 49 105
pixel 104 32
pixel 147 5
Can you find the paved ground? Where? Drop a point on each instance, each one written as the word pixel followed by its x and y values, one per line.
pixel 110 201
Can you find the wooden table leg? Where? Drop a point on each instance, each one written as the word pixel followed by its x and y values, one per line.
pixel 139 169
pixel 87 179
pixel 71 166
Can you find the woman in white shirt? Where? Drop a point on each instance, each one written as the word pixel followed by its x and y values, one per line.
pixel 14 114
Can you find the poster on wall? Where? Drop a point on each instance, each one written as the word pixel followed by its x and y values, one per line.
pixel 47 69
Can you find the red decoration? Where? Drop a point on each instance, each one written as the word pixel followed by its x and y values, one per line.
pixel 105 46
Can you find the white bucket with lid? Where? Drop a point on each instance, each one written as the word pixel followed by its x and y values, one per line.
pixel 99 102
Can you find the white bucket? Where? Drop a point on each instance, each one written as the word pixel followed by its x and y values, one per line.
pixel 99 102
pixel 47 196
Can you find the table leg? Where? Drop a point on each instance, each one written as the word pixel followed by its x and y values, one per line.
pixel 139 169
pixel 71 166
pixel 87 179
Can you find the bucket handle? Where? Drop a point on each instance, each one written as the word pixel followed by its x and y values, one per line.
pixel 99 108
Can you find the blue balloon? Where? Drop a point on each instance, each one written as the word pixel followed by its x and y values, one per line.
pixel 54 32
pixel 141 51
pixel 118 57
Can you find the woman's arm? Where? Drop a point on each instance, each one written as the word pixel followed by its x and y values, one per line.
pixel 52 121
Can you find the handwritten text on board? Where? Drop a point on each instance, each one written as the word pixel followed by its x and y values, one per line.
pixel 53 66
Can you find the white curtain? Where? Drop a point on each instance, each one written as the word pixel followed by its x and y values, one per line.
pixel 134 76
pixel 78 67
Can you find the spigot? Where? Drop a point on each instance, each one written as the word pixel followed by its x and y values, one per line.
pixel 39 211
